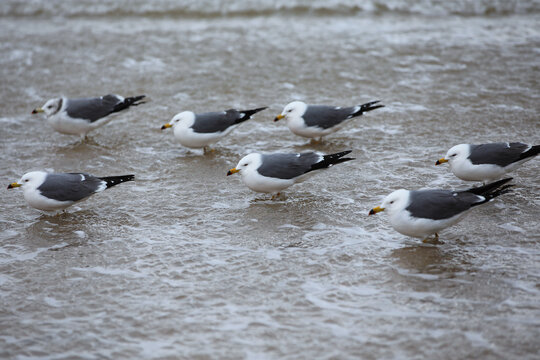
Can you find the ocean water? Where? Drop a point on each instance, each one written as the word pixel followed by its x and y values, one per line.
pixel 188 263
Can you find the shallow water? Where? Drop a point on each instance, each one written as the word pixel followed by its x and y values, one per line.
pixel 188 263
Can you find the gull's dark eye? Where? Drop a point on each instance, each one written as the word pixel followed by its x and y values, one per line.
pixel 453 155
pixel 290 110
pixel 246 164
pixel 391 202
pixel 26 180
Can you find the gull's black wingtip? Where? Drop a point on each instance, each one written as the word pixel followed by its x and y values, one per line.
pixel 340 154
pixel 115 180
pixel 254 111
pixel 492 190
pixel 249 113
pixel 498 183
pixel 332 159
pixel 369 106
pixel 134 100
pixel 486 189
pixel 532 152
pixel 129 101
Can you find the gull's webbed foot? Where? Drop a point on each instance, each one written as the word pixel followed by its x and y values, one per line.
pixel 433 241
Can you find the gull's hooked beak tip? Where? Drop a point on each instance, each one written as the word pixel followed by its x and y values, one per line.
pixel 279 117
pixel 37 110
pixel 440 161
pixel 166 126
pixel 375 210
pixel 13 185
pixel 232 171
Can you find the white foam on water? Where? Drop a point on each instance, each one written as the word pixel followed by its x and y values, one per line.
pixel 186 262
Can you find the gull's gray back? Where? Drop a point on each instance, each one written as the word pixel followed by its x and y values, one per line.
pixel 69 187
pixel 287 166
pixel 502 154
pixel 325 116
pixel 92 109
pixel 213 122
pixel 439 204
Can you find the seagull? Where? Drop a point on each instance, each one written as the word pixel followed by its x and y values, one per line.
pixel 57 191
pixel 316 121
pixel 271 173
pixel 422 213
pixel 80 116
pixel 200 130
pixel 487 162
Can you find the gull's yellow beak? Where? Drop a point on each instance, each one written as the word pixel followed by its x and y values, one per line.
pixel 440 161
pixel 14 185
pixel 279 117
pixel 375 210
pixel 37 110
pixel 166 126
pixel 232 171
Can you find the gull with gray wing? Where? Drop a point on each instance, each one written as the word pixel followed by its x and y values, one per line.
pixel 57 191
pixel 486 162
pixel 422 213
pixel 80 116
pixel 316 121
pixel 271 173
pixel 200 130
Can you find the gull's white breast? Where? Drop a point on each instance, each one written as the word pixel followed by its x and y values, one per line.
pixel 259 183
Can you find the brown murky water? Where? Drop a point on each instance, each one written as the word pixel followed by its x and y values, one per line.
pixel 188 263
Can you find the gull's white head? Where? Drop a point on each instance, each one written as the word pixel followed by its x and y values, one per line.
pixel 31 180
pixel 183 119
pixel 249 163
pixel 393 203
pixel 456 154
pixel 51 107
pixel 292 110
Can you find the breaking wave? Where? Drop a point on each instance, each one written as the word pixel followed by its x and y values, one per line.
pixel 254 8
